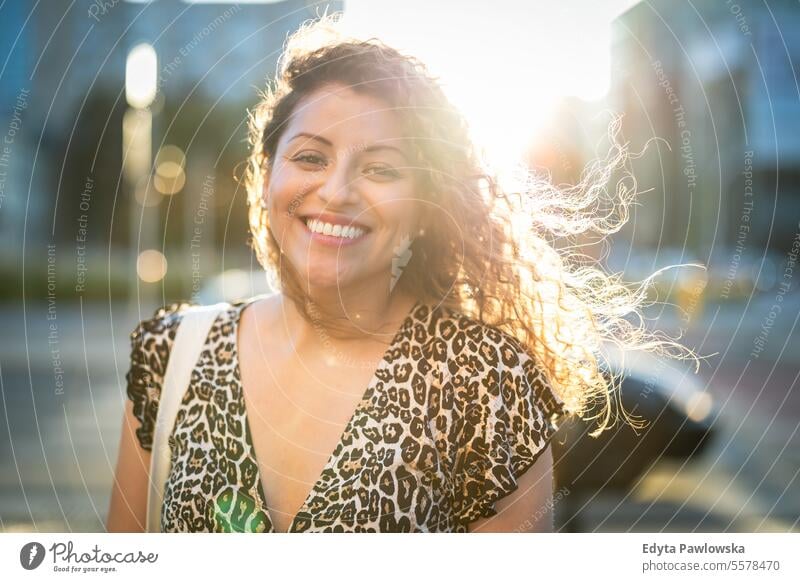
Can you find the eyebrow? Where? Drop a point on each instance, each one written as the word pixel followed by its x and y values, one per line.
pixel 312 136
pixel 377 147
pixel 371 149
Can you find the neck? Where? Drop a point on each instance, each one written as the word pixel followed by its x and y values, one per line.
pixel 362 314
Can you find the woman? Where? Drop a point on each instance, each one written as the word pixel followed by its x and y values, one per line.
pixel 423 347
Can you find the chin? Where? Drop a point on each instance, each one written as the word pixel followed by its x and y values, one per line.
pixel 324 277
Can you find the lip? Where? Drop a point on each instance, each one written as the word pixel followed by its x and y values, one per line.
pixel 330 240
pixel 334 219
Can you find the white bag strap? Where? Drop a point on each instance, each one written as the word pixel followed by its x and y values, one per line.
pixel 190 338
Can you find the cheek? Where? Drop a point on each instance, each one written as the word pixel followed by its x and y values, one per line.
pixel 284 195
pixel 400 218
pixel 282 187
pixel 397 232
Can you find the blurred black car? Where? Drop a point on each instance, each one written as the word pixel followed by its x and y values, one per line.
pixel 676 411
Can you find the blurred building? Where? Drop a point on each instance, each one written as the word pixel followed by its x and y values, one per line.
pixel 714 81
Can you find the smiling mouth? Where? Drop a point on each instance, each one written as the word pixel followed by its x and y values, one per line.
pixel 339 234
pixel 342 231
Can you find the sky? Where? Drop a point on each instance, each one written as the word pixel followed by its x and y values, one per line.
pixel 504 63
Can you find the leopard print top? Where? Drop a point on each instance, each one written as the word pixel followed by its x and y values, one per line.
pixel 456 412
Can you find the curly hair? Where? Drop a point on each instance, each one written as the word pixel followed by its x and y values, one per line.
pixel 487 252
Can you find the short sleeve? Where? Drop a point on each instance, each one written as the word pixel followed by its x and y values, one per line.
pixel 509 419
pixel 151 341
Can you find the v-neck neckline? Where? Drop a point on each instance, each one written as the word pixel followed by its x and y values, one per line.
pixel 365 401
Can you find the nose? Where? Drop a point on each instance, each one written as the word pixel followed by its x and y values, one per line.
pixel 337 187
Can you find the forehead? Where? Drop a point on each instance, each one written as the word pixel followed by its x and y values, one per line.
pixel 347 118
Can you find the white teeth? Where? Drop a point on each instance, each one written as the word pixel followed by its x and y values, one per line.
pixel 334 229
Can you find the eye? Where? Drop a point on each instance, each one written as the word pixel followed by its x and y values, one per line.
pixel 310 160
pixel 381 172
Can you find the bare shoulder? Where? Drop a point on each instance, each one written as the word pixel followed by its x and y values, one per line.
pixel 260 313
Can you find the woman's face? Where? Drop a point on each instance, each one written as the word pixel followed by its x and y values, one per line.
pixel 341 192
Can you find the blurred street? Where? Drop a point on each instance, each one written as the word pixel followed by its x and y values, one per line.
pixel 61 446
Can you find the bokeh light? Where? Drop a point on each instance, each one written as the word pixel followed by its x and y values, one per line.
pixel 151 266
